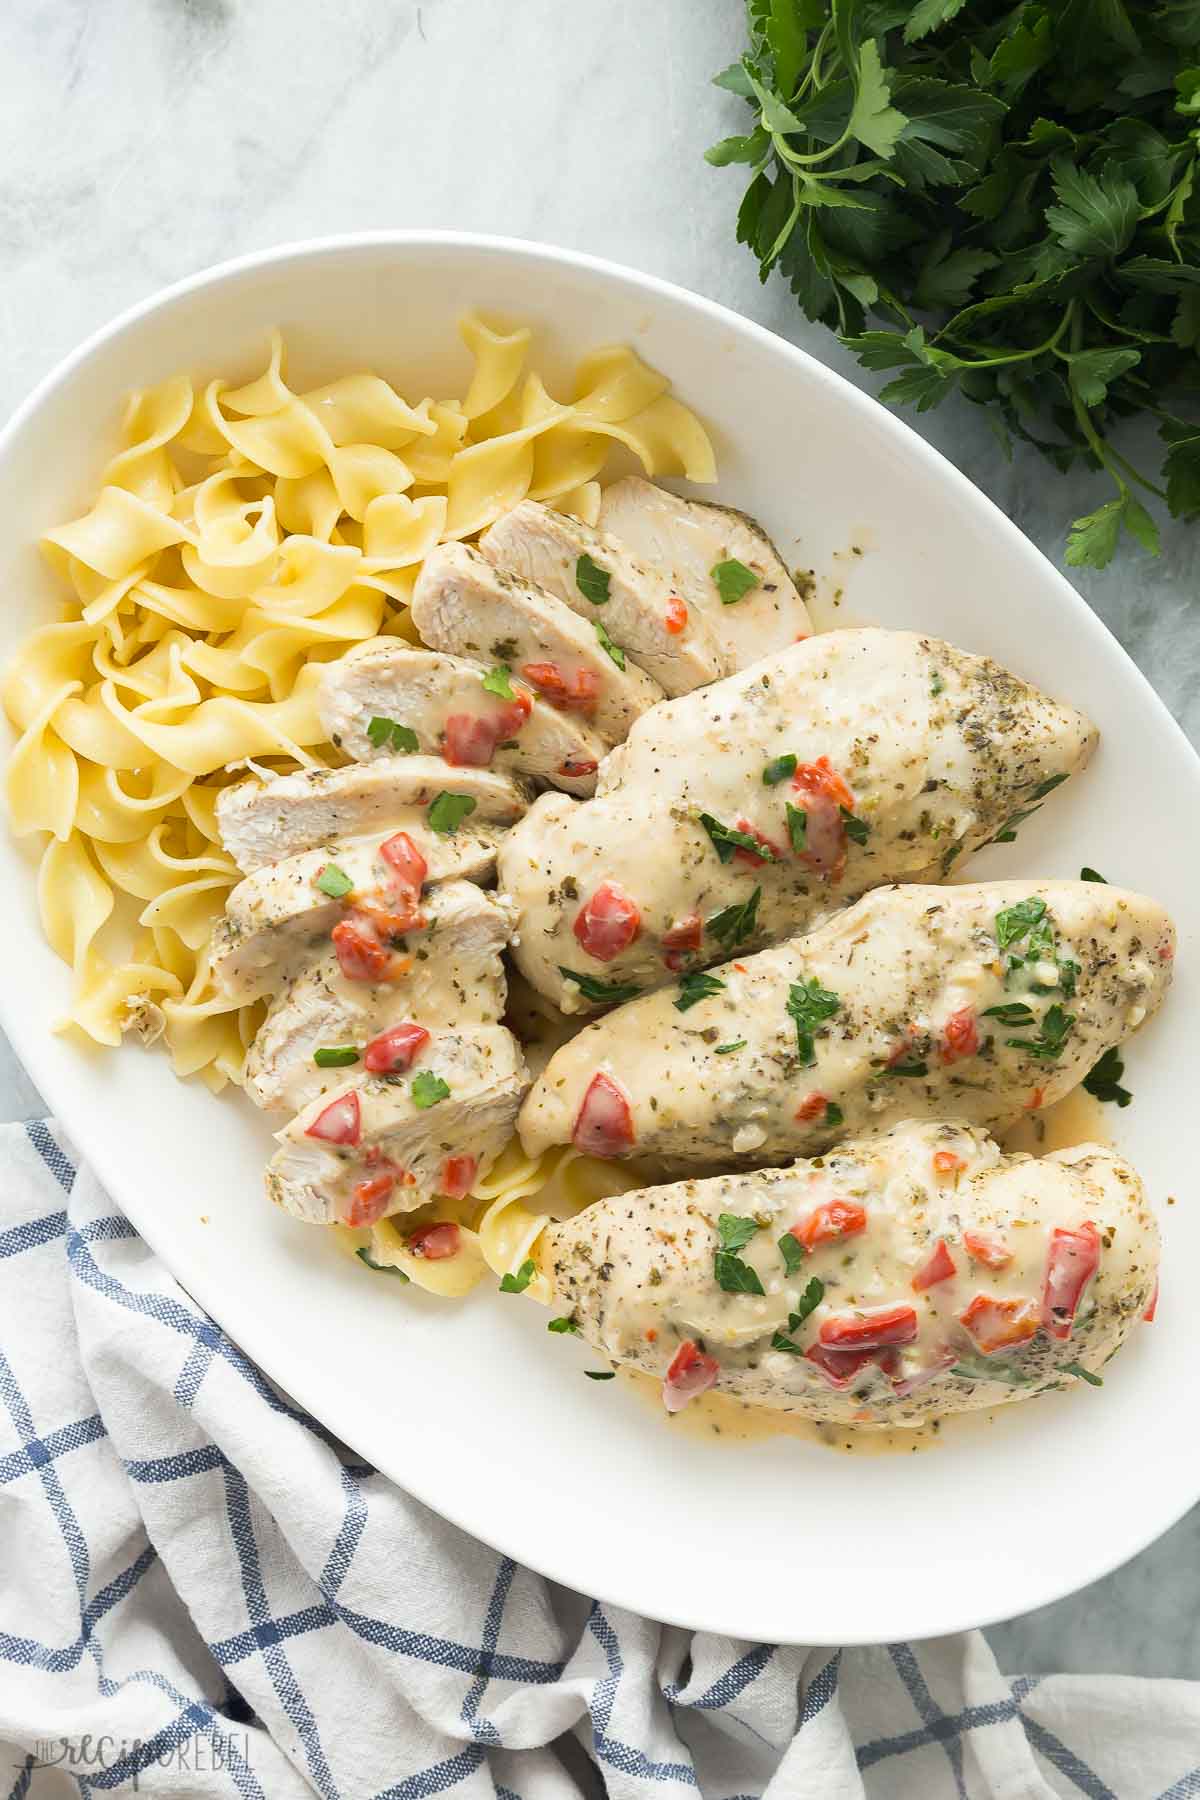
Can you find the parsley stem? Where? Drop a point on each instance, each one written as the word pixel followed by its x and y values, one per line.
pixel 1014 356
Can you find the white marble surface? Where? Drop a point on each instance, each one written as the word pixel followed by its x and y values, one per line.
pixel 143 139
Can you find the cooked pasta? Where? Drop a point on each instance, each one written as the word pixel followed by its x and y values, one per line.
pixel 241 537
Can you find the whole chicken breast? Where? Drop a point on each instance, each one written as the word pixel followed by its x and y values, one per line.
pixel 688 540
pixel 463 604
pixel 895 1279
pixel 383 1144
pixel 974 1002
pixel 738 815
pixel 263 821
pixel 442 701
pixel 450 969
pixel 598 578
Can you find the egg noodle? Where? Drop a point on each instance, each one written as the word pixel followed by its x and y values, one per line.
pixel 242 537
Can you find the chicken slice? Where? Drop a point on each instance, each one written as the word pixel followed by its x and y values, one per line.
pixel 976 1003
pixel 857 758
pixel 278 917
pixel 925 1273
pixel 442 701
pixel 383 1144
pixel 451 969
pixel 689 539
pixel 597 578
pixel 461 603
pixel 263 821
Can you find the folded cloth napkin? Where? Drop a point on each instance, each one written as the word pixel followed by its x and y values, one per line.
pixel 203 1592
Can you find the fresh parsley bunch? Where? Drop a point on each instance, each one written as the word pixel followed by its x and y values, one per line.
pixel 1014 190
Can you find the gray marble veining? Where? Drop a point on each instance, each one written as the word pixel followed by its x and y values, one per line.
pixel 144 139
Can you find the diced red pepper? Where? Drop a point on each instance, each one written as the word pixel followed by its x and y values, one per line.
pixel 607 923
pixel 822 794
pixel 458 1176
pixel 1166 949
pixel 986 1248
pixel 604 1123
pixel 339 1123
pixel 681 940
pixel 1036 1099
pixel 361 956
pixel 947 1162
pixel 874 1330
pixel 748 856
pixel 839 1367
pixel 577 766
pixel 677 615
pixel 1073 1259
pixel 810 1109
pixel 691 1372
pixel 406 861
pixel 436 1242
pixel 939 1265
pixel 1150 1311
pixel 829 1222
pixel 960 1036
pixel 395 1050
pixel 994 1324
pixel 576 693
pixel 904 1385
pixel 470 740
pixel 370 1200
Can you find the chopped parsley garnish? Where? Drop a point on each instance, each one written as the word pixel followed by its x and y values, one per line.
pixel 1068 975
pixel 696 987
pixel 834 1114
pixel 591 580
pixel 936 685
pixel 1008 831
pixel 1014 921
pixel 334 881
pixel 725 840
pixel 566 1323
pixel 427 1089
pixel 914 1066
pixel 609 648
pixel 1074 1368
pixel 808 1302
pixel 497 681
pixel 726 1049
pixel 856 829
pixel 447 812
pixel 734 580
pixel 607 993
pixel 1086 874
pixel 601 1374
pixel 809 1004
pixel 1104 1081
pixel 335 1056
pixel 978 1368
pixel 1015 1014
pixel 792 1252
pixel 1048 1045
pixel 797 824
pixel 733 1276
pixel 364 1255
pixel 734 924
pixel 779 770
pixel 516 1284
pixel 393 734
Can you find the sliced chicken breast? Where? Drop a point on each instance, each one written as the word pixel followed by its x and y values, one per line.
pixel 442 702
pixel 736 816
pixel 263 821
pixel 450 971
pixel 279 917
pixel 975 1003
pixel 383 1144
pixel 689 539
pixel 597 578
pixel 896 1279
pixel 461 603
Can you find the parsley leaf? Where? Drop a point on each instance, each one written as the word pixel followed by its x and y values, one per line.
pixel 725 1049
pixel 856 829
pixel 564 1324
pixel 427 1089
pixel 809 1005
pixel 335 882
pixel 792 1252
pixel 1013 922
pixel 808 1302
pixel 335 1056
pixel 735 1231
pixel 797 824
pixel 725 840
pixel 608 993
pixel 1076 1368
pixel 734 924
pixel 601 1374
pixel 592 581
pixel 516 1284
pixel 695 987
pixel 733 1276
pixel 1050 1042
pixel 1086 874
pixel 1104 1080
pixel 734 580
pixel 390 733
pixel 778 770
pixel 364 1255
pixel 614 651
pixel 498 681
pixel 447 812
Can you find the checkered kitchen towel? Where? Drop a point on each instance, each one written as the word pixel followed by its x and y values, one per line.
pixel 202 1592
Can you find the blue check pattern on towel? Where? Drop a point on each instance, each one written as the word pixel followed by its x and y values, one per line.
pixel 202 1592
